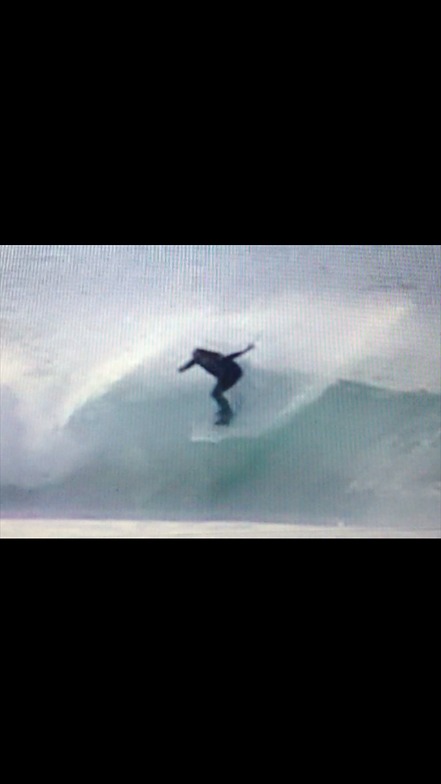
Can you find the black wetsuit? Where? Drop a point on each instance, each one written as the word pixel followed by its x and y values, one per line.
pixel 227 372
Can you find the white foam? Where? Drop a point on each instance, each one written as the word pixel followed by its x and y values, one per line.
pixel 160 529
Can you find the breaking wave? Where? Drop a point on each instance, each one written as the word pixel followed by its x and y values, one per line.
pixel 338 415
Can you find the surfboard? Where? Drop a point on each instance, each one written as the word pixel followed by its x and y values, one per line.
pixel 220 428
pixel 214 432
pixel 209 437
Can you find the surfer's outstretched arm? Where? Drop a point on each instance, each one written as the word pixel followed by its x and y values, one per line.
pixel 241 353
pixel 187 366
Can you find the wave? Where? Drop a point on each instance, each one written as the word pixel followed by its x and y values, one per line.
pixel 338 415
pixel 350 453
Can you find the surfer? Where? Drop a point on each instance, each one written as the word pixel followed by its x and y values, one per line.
pixel 227 372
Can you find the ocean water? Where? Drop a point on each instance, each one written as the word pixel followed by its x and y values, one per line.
pixel 338 416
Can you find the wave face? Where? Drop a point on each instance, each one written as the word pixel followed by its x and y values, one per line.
pixel 338 414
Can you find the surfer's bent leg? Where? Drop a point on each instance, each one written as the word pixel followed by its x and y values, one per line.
pixel 225 411
pixel 229 378
pixel 231 375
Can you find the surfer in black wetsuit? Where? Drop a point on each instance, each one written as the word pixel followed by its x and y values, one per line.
pixel 227 372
